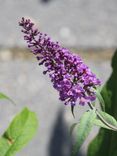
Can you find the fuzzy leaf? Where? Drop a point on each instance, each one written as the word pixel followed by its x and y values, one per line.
pixel 73 126
pixel 20 132
pixel 105 143
pixel 85 125
pixel 110 119
pixel 101 100
pixel 99 123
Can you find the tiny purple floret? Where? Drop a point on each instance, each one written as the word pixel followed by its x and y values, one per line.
pixel 70 76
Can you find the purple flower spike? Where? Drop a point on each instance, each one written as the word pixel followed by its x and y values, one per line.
pixel 70 76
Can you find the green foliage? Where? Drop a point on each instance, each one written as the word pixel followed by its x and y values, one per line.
pixel 99 123
pixel 19 133
pixel 72 111
pixel 101 100
pixel 108 118
pixel 5 97
pixel 107 121
pixel 105 144
pixel 73 126
pixel 85 125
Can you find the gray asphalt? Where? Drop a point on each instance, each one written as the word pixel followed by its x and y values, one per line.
pixel 75 23
pixel 24 82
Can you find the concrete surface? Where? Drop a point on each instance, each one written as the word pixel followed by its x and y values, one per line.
pixel 75 23
pixel 23 81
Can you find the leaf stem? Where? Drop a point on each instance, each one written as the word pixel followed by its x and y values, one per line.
pixel 101 118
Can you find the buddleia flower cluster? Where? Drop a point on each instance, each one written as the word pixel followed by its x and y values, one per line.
pixel 69 75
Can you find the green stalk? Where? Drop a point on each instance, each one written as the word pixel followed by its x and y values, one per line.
pixel 101 118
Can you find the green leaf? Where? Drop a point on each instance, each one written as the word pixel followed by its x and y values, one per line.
pixel 5 97
pixel 108 118
pixel 84 128
pixel 94 148
pixel 19 133
pixel 105 143
pixel 99 123
pixel 73 126
pixel 101 100
pixel 72 110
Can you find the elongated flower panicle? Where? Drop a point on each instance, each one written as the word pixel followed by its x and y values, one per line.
pixel 70 76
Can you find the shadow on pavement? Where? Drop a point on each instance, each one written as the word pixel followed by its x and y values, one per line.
pixel 45 1
pixel 60 140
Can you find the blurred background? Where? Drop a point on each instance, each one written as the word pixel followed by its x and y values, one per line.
pixel 87 27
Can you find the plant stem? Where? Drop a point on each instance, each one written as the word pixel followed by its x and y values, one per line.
pixel 101 118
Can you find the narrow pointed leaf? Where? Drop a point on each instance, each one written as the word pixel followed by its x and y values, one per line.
pixel 101 100
pixel 99 123
pixel 108 118
pixel 5 97
pixel 20 132
pixel 85 125
pixel 73 126
pixel 105 143
pixel 72 110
